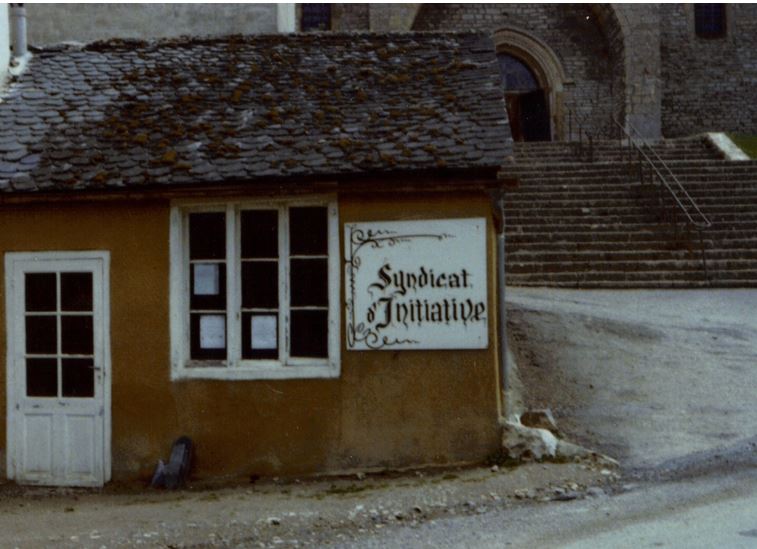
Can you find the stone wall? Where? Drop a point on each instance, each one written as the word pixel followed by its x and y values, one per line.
pixel 636 35
pixel 53 23
pixel 346 17
pixel 593 69
pixel 708 84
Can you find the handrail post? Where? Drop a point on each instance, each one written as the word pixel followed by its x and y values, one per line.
pixel 641 170
pixel 704 256
pixel 591 148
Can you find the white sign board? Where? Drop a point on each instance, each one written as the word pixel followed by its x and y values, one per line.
pixel 416 285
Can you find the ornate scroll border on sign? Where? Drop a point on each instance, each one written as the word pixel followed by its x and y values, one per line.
pixel 411 239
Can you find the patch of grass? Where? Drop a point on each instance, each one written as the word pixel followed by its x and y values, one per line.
pixel 350 489
pixel 747 143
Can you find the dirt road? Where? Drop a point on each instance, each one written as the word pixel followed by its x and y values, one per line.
pixel 644 376
pixel 278 514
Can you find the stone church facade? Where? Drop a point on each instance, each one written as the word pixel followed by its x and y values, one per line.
pixel 653 67
pixel 647 65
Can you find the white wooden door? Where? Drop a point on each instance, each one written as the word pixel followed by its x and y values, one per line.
pixel 58 368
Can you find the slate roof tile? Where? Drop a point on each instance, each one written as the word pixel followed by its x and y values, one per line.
pixel 199 110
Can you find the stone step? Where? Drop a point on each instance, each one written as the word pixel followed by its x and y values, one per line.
pixel 542 281
pixel 690 272
pixel 610 156
pixel 615 164
pixel 635 207
pixel 693 264
pixel 682 275
pixel 617 235
pixel 631 193
pixel 688 173
pixel 642 216
pixel 525 257
pixel 737 246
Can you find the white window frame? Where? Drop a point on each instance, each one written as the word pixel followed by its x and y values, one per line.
pixel 234 367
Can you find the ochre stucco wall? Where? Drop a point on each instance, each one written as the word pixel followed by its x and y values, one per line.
pixel 388 409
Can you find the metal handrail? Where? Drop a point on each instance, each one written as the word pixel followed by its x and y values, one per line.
pixel 703 222
pixel 580 122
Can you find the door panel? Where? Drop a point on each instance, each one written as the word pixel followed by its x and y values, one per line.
pixel 80 436
pixel 38 446
pixel 58 364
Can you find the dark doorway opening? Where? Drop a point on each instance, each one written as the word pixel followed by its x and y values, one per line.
pixel 526 100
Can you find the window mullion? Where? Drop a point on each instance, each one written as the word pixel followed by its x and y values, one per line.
pixel 334 286
pixel 59 335
pixel 185 287
pixel 284 313
pixel 233 299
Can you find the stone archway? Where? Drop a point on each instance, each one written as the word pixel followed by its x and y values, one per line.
pixel 544 65
pixel 631 33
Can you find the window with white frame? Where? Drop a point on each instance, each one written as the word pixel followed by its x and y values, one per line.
pixel 255 290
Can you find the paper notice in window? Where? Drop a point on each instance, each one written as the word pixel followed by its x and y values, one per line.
pixel 206 279
pixel 264 332
pixel 212 332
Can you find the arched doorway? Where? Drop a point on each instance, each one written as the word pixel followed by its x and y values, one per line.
pixel 526 100
pixel 535 68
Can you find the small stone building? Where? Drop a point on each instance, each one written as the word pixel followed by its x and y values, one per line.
pixel 279 246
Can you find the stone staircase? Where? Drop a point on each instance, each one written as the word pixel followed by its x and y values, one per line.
pixel 571 222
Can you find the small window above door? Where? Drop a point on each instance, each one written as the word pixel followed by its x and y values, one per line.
pixel 710 20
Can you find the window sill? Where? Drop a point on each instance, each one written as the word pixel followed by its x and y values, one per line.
pixel 221 371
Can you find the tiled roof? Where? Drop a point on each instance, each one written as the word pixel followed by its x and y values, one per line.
pixel 186 111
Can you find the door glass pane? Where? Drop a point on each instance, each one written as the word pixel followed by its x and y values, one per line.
pixel 310 334
pixel 76 291
pixel 308 234
pixel 207 235
pixel 40 292
pixel 77 336
pixel 78 377
pixel 260 284
pixel 41 335
pixel 260 235
pixel 41 377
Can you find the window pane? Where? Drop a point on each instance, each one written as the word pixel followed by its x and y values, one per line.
pixel 310 285
pixel 315 17
pixel 76 291
pixel 260 234
pixel 78 377
pixel 260 336
pixel 41 377
pixel 516 76
pixel 40 291
pixel 260 284
pixel 41 335
pixel 77 336
pixel 208 286
pixel 309 333
pixel 208 336
pixel 207 235
pixel 308 231
pixel 709 20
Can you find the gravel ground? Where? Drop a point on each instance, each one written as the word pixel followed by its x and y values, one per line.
pixel 291 513
pixel 643 376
